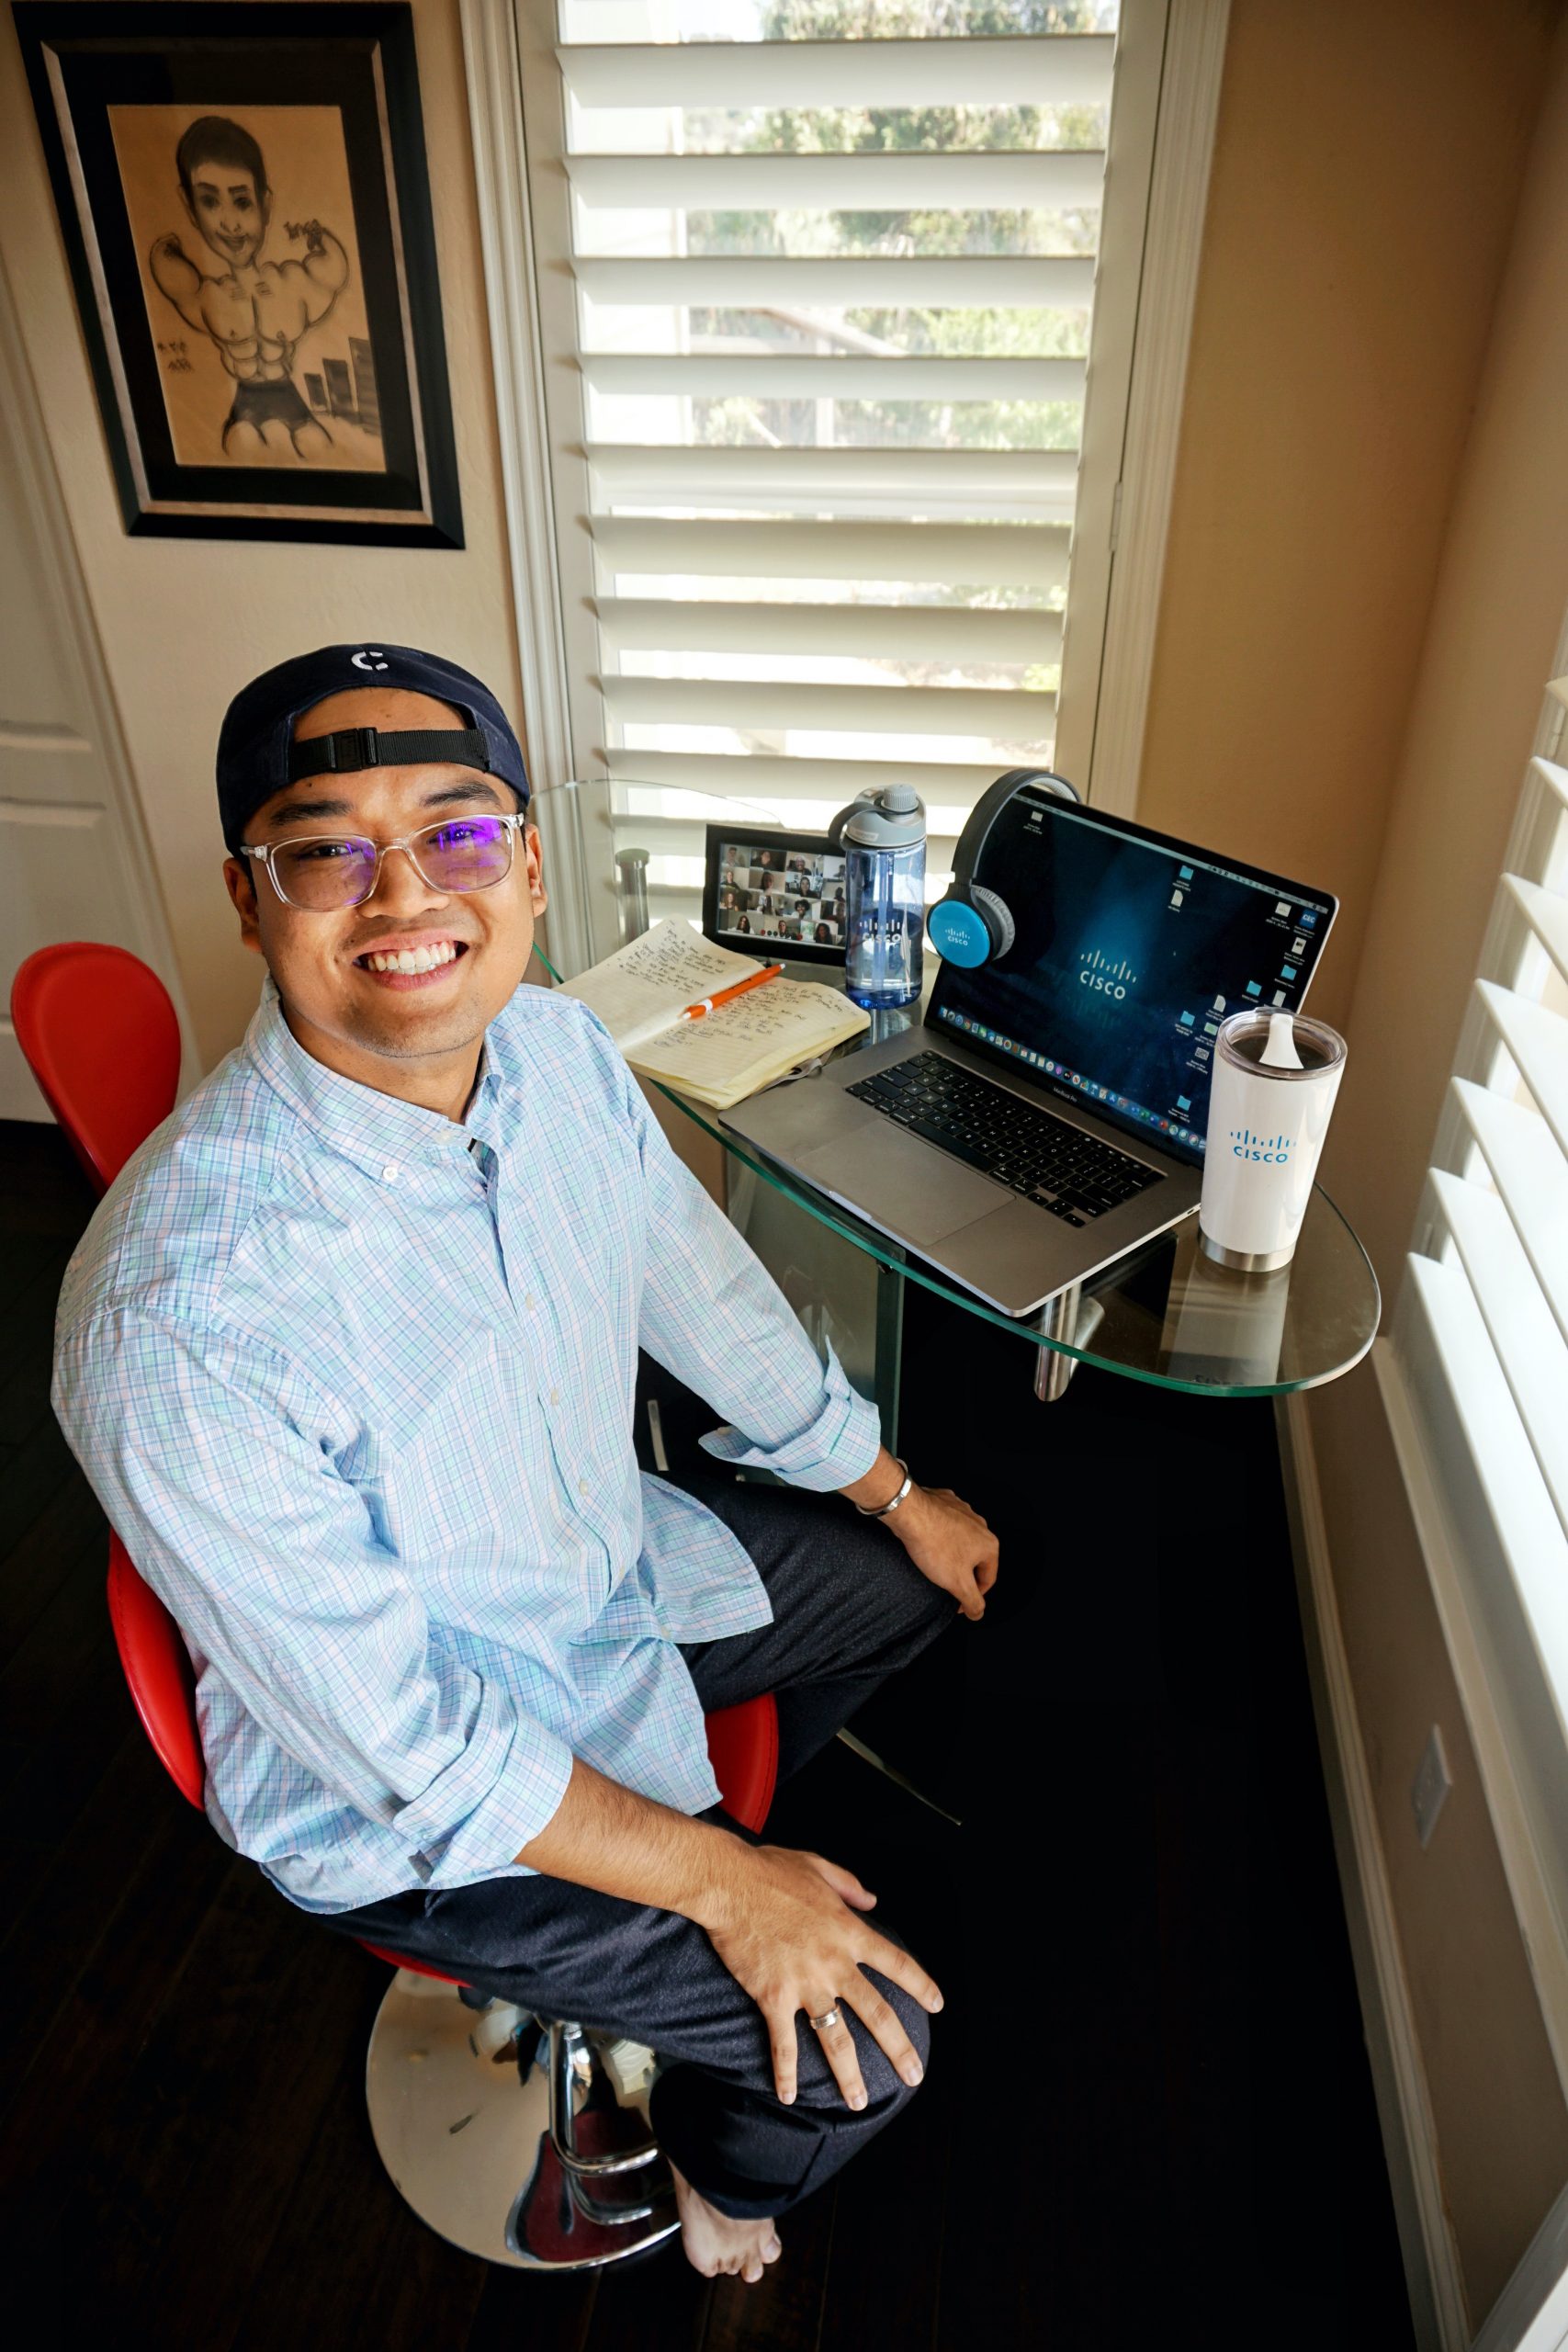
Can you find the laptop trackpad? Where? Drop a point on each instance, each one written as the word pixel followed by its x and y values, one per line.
pixel 915 1188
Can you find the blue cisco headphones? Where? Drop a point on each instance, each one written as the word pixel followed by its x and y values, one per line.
pixel 972 925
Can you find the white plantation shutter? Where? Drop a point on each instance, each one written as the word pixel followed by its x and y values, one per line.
pixel 1480 1366
pixel 814 395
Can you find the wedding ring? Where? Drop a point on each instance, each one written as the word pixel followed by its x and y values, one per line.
pixel 828 2017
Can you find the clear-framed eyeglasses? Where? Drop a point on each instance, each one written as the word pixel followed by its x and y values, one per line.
pixel 321 873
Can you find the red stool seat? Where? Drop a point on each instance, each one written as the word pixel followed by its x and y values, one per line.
pixel 101 1038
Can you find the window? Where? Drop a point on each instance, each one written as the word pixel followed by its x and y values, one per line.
pixel 822 287
pixel 1479 1394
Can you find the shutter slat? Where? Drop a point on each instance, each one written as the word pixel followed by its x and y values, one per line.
pixel 1538 1040
pixel 1063 69
pixel 978 281
pixel 1006 555
pixel 1546 914
pixel 940 783
pixel 1531 1177
pixel 998 714
pixel 1032 484
pixel 906 632
pixel 932 180
pixel 1530 1347
pixel 789 376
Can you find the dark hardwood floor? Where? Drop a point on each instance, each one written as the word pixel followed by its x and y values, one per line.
pixel 1148 2116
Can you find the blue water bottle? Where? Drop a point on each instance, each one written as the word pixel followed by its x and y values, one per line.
pixel 884 838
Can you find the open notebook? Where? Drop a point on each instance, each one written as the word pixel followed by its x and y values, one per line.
pixel 640 993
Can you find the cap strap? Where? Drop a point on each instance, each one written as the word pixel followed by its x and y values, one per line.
pixel 365 747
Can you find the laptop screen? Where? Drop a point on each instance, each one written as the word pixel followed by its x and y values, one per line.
pixel 1131 949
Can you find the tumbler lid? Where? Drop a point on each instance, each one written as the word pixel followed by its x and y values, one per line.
pixel 1242 1037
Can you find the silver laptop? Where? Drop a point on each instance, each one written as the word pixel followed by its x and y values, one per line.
pixel 1047 1115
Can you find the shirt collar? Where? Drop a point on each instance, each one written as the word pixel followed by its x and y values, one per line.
pixel 375 1131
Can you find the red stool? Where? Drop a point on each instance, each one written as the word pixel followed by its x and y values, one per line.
pixel 514 2161
pixel 100 1037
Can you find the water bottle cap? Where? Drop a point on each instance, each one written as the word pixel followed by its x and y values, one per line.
pixel 891 819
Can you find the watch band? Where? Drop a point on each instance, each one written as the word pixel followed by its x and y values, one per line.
pixel 891 1505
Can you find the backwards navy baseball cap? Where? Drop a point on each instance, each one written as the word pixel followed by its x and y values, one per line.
pixel 257 754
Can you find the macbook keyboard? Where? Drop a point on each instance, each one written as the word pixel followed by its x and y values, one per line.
pixel 1046 1160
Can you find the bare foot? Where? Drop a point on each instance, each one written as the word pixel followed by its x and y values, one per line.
pixel 715 2244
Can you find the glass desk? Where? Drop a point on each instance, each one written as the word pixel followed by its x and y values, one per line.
pixel 1165 1314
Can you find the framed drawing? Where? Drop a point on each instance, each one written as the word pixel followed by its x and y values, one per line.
pixel 242 192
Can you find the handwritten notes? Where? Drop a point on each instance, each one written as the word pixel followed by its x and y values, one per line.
pixel 641 990
pixel 641 993
pixel 756 1039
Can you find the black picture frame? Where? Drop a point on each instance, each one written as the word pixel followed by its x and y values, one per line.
pixel 363 453
pixel 823 858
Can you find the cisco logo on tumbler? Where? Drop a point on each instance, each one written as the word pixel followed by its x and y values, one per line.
pixel 1111 979
pixel 1244 1145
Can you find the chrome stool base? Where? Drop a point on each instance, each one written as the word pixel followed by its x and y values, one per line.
pixel 468 2139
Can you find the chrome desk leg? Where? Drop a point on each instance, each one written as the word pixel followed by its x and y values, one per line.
pixel 1073 1319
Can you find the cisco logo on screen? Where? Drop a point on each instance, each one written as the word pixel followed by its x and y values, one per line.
pixel 1111 979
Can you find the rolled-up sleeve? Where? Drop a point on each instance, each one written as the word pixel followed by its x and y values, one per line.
pixel 712 1315
pixel 214 1463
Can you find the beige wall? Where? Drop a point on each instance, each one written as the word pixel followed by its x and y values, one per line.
pixel 184 622
pixel 1368 568
pixel 1365 175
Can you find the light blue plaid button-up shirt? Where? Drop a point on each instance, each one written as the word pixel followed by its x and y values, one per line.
pixel 355 1384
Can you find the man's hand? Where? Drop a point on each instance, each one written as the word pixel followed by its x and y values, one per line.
pixel 785 1925
pixel 947 1543
pixel 790 1936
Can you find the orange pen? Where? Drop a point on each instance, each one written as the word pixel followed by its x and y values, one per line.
pixel 722 996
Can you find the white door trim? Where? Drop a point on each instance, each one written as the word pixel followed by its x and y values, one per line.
pixel 1179 197
pixel 494 73
pixel 63 590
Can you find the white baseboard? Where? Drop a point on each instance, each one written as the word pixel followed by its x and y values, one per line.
pixel 1399 2082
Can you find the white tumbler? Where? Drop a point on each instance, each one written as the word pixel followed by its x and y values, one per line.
pixel 1275 1077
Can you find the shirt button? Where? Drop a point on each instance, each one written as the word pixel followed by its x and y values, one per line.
pixel 529 1301
pixel 389 1173
pixel 555 1396
pixel 583 1487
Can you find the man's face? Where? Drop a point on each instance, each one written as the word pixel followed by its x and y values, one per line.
pixel 227 210
pixel 351 1015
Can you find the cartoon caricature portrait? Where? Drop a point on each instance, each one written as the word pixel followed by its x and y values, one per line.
pixel 244 224
pixel 257 313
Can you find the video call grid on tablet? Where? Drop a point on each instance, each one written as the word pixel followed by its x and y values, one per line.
pixel 793 895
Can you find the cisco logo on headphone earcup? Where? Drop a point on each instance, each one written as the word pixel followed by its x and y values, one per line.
pixel 957 934
pixel 971 931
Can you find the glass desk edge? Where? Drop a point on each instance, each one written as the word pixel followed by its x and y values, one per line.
pixel 886 1254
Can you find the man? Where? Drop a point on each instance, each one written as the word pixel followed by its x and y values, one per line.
pixel 256 313
pixel 349 1354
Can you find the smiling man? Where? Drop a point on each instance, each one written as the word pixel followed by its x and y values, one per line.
pixel 349 1354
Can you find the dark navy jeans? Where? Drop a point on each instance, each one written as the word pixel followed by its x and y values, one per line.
pixel 847 1610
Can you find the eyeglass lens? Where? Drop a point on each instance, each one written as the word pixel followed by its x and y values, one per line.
pixel 324 874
